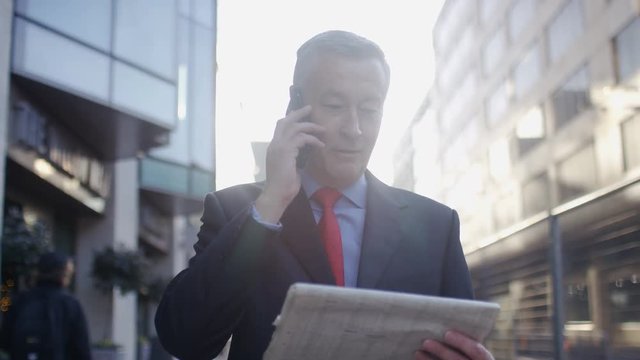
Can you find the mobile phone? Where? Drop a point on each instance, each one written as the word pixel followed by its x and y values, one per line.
pixel 295 103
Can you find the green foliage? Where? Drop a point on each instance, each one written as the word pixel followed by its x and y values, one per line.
pixel 22 245
pixel 122 269
pixel 106 343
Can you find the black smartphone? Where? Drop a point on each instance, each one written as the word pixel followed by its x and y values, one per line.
pixel 295 103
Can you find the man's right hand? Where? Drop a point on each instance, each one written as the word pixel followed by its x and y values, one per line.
pixel 283 179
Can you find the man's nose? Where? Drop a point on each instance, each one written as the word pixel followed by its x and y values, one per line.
pixel 351 124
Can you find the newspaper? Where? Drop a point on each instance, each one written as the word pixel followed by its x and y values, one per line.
pixel 328 322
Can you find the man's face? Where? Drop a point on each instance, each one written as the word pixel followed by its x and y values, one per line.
pixel 347 97
pixel 68 274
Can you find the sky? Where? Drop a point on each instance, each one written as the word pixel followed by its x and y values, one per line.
pixel 257 42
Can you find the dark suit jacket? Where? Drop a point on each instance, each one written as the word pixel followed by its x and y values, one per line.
pixel 237 282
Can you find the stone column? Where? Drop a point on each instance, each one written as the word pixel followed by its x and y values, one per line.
pixel 113 317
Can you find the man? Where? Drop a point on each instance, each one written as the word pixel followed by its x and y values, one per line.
pixel 258 239
pixel 46 322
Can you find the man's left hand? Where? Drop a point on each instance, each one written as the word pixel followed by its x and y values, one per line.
pixel 456 346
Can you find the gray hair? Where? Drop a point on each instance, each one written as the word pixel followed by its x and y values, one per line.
pixel 338 42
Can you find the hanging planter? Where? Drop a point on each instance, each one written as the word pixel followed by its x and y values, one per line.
pixel 122 269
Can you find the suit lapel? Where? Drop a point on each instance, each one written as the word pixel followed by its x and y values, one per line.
pixel 382 232
pixel 300 232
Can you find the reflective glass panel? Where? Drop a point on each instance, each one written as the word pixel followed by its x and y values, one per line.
pixel 87 21
pixel 535 195
pixel 565 29
pixel 520 17
pixel 577 175
pixel 494 51
pixel 144 94
pixel 202 106
pixel 488 9
pixel 527 72
pixel 530 130
pixel 498 103
pixel 628 48
pixel 571 98
pixel 631 142
pixel 145 34
pixel 61 61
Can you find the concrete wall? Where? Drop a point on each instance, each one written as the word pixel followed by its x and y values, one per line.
pixel 6 12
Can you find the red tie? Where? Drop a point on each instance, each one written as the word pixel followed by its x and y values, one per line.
pixel 330 231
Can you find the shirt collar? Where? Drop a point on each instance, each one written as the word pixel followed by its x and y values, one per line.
pixel 356 192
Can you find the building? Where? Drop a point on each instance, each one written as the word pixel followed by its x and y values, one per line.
pixel 107 118
pixel 537 107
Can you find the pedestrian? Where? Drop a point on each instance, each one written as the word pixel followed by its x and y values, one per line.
pixel 47 322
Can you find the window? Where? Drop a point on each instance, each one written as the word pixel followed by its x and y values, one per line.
pixel 628 51
pixel 498 103
pixel 454 68
pixel 527 72
pixel 494 51
pixel 459 102
pixel 202 66
pixel 520 17
pixel 624 298
pixel 177 150
pixel 488 10
pixel 571 98
pixel 577 175
pixel 530 130
pixel 499 160
pixel 565 30
pixel 535 195
pixel 631 142
pixel 577 302
pixel 204 12
pixel 460 152
pixel 60 61
pixel 504 211
pixel 87 21
pixel 132 88
pixel 465 194
pixel 456 157
pixel 145 34
pixel 448 22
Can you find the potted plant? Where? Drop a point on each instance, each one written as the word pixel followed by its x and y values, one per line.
pixel 106 349
pixel 122 269
pixel 144 348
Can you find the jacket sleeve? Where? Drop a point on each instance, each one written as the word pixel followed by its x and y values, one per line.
pixel 8 323
pixel 78 342
pixel 456 280
pixel 204 303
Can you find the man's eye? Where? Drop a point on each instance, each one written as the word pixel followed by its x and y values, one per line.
pixel 369 110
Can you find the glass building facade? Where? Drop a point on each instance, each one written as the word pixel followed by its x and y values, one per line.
pixel 554 112
pixel 110 138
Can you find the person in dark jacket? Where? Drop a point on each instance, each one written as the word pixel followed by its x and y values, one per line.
pixel 320 217
pixel 47 322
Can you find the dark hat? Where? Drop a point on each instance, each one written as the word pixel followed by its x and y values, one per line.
pixel 52 262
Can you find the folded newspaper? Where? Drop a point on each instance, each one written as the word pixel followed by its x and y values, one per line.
pixel 328 322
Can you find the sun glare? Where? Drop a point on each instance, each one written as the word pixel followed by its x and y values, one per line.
pixel 257 41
